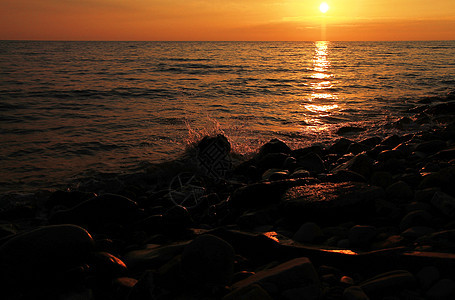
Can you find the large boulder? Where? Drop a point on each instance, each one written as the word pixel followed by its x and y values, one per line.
pixel 39 258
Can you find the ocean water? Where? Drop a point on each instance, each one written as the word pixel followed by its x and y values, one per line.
pixel 71 108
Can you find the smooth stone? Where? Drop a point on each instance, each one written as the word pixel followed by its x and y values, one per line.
pixel 444 289
pixel 300 173
pixel 371 142
pixel 413 206
pixel 68 198
pixel 296 273
pixel 274 146
pixel 108 266
pixel 340 146
pixel 356 148
pixel 311 162
pixel 208 261
pixel 40 256
pixel 444 203
pixel 388 282
pixel 346 280
pixel 400 190
pixel 361 235
pixel 417 232
pixel 275 174
pixel 425 195
pixel 308 233
pixel 100 210
pixel 290 163
pixel 390 242
pixel 427 276
pixel 415 218
pixel 330 202
pixel 354 293
pixel 360 163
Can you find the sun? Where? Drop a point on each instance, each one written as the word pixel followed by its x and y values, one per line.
pixel 324 7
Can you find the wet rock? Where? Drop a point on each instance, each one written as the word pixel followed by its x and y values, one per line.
pixel 101 210
pixel 296 273
pixel 400 190
pixel 340 146
pixel 274 146
pixel 360 163
pixel 330 202
pixel 40 257
pixel 388 283
pixel 275 174
pixel 390 242
pixel 300 173
pixel 389 154
pixel 444 289
pixel 427 276
pixel 311 162
pixel 444 203
pixel 415 218
pixel 208 261
pixel 362 235
pixel 354 293
pixel 371 142
pixel 356 148
pixel 107 266
pixel 68 198
pixel 263 193
pixel 308 233
pixel 290 163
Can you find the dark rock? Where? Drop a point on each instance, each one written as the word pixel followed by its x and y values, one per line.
pixel 400 190
pixel 446 153
pixel 357 148
pixel 391 141
pixel 275 174
pixel 311 162
pixel 381 178
pixel 360 163
pixel 208 261
pixel 388 154
pixel 348 130
pixel 415 218
pixel 354 293
pixel 296 273
pixel 417 232
pixel 431 147
pixel 362 235
pixel 300 173
pixel 444 289
pixel 371 142
pixel 341 146
pixel 68 198
pixel 7 230
pixel 253 291
pixel 388 283
pixel 390 242
pixel 107 266
pixel 39 258
pixel 98 211
pixel 330 202
pixel 272 160
pixel 152 256
pixel 444 203
pixel 308 233
pixel 274 146
pixel 345 176
pixel 263 193
pixel 428 276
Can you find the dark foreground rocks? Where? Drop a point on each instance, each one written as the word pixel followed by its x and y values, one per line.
pixel 357 219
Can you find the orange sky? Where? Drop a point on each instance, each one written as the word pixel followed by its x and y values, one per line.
pixel 258 20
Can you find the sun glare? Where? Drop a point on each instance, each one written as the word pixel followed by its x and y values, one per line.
pixel 324 7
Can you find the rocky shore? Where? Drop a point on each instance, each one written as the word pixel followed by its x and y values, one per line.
pixel 357 219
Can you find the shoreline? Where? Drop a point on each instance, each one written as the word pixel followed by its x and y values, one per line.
pixel 365 219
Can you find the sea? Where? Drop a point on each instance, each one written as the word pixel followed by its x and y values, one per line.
pixel 70 110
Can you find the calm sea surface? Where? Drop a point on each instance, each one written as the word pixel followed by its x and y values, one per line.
pixel 72 107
